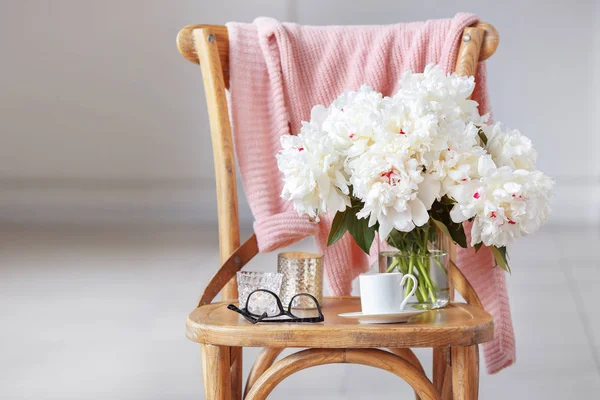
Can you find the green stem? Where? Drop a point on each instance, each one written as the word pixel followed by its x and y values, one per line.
pixel 393 265
pixel 415 258
pixel 428 283
pixel 423 265
pixel 425 239
pixel 403 265
pixel 437 261
pixel 410 283
pixel 393 242
pixel 420 283
pixel 421 295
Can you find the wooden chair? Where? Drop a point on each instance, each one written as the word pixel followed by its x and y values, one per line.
pixel 454 332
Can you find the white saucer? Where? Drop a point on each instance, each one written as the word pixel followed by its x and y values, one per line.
pixel 388 318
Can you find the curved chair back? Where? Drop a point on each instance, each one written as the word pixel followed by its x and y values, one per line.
pixel 208 45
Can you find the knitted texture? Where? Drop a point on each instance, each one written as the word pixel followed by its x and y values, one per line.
pixel 489 282
pixel 279 71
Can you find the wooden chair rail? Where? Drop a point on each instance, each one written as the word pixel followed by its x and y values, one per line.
pixel 268 355
pixel 371 357
pixel 462 286
pixel 412 358
pixel 240 257
pixel 263 362
pixel 187 48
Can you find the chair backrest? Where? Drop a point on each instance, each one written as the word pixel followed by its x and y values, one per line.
pixel 208 45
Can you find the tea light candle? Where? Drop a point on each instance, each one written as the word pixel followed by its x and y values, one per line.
pixel 302 273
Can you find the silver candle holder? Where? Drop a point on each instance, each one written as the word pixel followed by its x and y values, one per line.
pixel 302 273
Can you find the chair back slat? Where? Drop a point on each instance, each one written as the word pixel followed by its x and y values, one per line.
pixel 187 47
pixel 206 45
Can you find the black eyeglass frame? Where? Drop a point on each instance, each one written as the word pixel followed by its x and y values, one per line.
pixel 255 318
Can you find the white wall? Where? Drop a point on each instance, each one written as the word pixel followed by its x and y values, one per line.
pixel 596 86
pixel 101 119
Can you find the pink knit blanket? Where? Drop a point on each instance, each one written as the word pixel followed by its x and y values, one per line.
pixel 279 71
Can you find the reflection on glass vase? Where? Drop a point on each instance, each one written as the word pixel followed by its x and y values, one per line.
pixel 430 269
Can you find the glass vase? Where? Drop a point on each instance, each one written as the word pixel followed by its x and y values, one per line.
pixel 429 267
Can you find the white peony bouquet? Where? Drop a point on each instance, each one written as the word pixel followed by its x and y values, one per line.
pixel 422 158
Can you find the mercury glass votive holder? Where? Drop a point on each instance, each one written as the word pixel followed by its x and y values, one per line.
pixel 302 273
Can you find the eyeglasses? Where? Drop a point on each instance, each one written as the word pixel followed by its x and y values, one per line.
pixel 255 318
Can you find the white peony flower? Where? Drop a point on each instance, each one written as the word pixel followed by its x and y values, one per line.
pixel 404 131
pixel 504 203
pixel 454 156
pixel 510 148
pixel 313 172
pixel 445 96
pixel 352 120
pixel 455 168
pixel 394 190
pixel 402 153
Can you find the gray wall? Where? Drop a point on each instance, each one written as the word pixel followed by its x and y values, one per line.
pixel 102 120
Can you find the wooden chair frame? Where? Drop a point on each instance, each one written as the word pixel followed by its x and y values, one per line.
pixel 456 368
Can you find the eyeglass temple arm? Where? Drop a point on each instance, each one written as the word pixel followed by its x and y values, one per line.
pixel 240 257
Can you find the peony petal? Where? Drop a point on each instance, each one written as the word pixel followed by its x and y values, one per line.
pixel 318 114
pixel 457 214
pixel 475 233
pixel 486 165
pixel 464 193
pixel 419 212
pixel 372 219
pixel 403 221
pixel 512 187
pixel 385 227
pixel 429 190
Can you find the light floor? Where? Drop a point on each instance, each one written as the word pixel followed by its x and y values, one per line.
pixel 100 314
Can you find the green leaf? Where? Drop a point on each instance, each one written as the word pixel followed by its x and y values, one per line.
pixel 338 227
pixel 440 212
pixel 478 246
pixel 447 200
pixel 433 235
pixel 483 137
pixel 359 230
pixel 356 203
pixel 504 254
pixel 396 239
pixel 501 257
pixel 441 226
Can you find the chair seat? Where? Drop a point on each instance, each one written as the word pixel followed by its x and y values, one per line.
pixel 457 324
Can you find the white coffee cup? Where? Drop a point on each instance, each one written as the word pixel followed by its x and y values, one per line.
pixel 384 293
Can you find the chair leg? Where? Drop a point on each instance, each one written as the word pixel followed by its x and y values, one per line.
pixel 216 370
pixel 465 372
pixel 442 372
pixel 236 373
pixel 204 366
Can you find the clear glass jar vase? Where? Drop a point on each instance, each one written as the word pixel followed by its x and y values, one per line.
pixel 429 267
